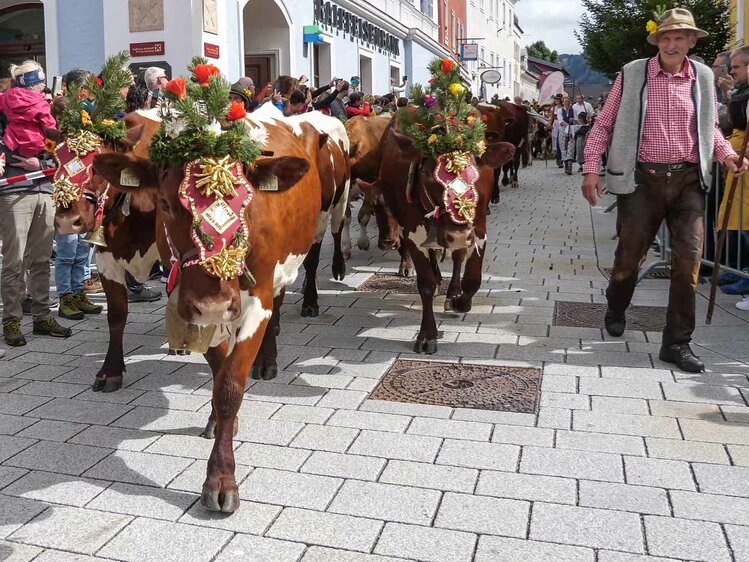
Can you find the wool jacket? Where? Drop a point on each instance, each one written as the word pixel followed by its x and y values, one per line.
pixel 625 143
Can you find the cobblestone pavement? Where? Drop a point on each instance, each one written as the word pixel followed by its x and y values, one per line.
pixel 626 460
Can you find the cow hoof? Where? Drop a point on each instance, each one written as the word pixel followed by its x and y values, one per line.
pixel 310 310
pixel 216 499
pixel 515 185
pixel 104 383
pixel 488 211
pixel 448 304
pixel 461 304
pixel 505 181
pixel 179 352
pixel 425 346
pixel 277 330
pixel 339 271
pixel 260 373
pixel 495 199
pixel 405 271
pixel 363 244
pixel 210 429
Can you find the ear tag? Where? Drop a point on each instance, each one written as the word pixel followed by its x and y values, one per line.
pixel 128 179
pixel 126 205
pixel 270 185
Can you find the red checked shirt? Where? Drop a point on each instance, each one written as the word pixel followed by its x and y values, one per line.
pixel 665 139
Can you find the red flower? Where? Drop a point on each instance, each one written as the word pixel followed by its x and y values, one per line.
pixel 236 111
pixel 203 72
pixel 177 87
pixel 447 65
pixel 99 81
pixel 484 118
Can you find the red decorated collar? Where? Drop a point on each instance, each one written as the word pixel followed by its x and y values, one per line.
pixel 74 157
pixel 457 174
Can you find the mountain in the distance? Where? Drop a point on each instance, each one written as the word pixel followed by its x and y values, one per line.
pixel 578 68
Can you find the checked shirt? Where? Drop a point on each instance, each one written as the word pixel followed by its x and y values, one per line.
pixel 670 129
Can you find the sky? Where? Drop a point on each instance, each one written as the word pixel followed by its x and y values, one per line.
pixel 550 21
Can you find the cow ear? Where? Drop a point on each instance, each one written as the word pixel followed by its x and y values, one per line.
pixel 497 154
pixel 406 145
pixel 126 173
pixel 133 135
pixel 277 174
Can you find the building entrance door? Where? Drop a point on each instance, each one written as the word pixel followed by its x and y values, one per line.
pixel 260 68
pixel 21 35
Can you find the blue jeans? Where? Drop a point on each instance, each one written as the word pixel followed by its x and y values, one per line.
pixel 89 259
pixel 70 263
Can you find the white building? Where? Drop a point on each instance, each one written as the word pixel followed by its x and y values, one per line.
pixel 493 24
pixel 374 39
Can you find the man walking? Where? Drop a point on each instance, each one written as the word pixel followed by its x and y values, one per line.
pixel 660 118
pixel 582 106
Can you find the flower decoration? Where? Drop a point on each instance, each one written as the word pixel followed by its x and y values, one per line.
pixel 651 27
pixel 248 92
pixel 236 111
pixel 432 139
pixel 216 178
pixel 99 81
pixel 49 146
pixel 456 90
pixel 86 118
pixel 177 87
pixel 429 100
pixel 470 119
pixel 447 65
pixel 203 72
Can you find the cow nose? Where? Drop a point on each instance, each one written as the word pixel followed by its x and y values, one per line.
pixel 69 225
pixel 214 311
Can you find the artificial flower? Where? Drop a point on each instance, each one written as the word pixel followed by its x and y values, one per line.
pixel 177 87
pixel 485 118
pixel 447 65
pixel 49 146
pixel 174 127
pixel 470 119
pixel 214 129
pixel 248 92
pixel 203 72
pixel 236 111
pixel 85 117
pixel 259 135
pixel 429 100
pixel 107 122
pixel 651 26
pixel 432 139
pixel 99 81
pixel 480 148
pixel 456 89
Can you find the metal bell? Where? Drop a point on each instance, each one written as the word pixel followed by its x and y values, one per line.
pixel 96 238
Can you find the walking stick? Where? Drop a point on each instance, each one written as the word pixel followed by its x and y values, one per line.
pixel 722 235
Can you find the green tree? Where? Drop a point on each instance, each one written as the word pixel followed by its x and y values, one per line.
pixel 539 50
pixel 612 32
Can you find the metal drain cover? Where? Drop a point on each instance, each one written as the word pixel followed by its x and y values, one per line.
pixel 403 285
pixel 652 274
pixel 588 315
pixel 485 387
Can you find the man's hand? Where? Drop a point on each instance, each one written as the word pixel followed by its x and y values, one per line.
pixel 726 84
pixel 29 164
pixel 592 188
pixel 736 165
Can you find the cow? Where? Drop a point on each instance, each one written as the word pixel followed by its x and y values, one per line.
pixel 282 222
pixel 408 188
pixel 129 224
pixel 516 133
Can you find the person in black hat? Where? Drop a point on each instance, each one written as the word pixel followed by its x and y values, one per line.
pixel 243 91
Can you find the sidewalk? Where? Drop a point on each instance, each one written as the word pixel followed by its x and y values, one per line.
pixel 626 460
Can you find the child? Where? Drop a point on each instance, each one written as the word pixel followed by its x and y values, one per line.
pixel 580 136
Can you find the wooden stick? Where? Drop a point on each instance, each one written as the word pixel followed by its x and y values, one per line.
pixel 722 234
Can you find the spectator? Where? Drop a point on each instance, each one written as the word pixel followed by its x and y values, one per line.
pixel 337 107
pixel 580 136
pixel 242 91
pixel 155 79
pixel 566 138
pixel 26 209
pixel 357 106
pixel 395 90
pixel 582 106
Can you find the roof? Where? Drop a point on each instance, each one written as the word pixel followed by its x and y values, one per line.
pixel 539 66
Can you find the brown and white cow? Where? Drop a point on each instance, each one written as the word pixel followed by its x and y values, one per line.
pixel 408 188
pixel 282 227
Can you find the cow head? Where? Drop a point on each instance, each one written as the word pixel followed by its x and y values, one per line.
pixel 207 231
pixel 79 192
pixel 387 225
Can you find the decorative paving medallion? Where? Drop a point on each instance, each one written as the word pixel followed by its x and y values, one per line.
pixel 485 387
pixel 588 315
pixel 652 274
pixel 379 283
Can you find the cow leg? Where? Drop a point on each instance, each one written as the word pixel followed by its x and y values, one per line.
pixel 434 258
pixel 515 168
pixel 220 491
pixel 309 304
pixel 407 264
pixel 346 235
pixel 453 290
pixel 109 378
pixel 426 281
pixel 495 187
pixel 471 280
pixel 365 213
pixel 339 254
pixel 215 357
pixel 507 168
pixel 265 366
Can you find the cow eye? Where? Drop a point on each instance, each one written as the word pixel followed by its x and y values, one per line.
pixel 164 204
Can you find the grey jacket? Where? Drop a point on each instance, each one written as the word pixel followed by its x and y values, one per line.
pixel 625 143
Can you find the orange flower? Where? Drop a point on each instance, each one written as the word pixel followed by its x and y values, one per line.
pixel 203 72
pixel 447 65
pixel 469 119
pixel 49 145
pixel 177 87
pixel 236 111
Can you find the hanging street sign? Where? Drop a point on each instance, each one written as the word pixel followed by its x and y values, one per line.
pixel 491 76
pixel 469 51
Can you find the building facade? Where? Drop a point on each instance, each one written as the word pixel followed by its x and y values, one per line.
pixel 322 39
pixel 739 23
pixel 452 24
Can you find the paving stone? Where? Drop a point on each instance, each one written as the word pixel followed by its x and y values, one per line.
pixel 62 556
pixel 270 456
pixel 584 526
pixel 692 540
pixel 600 442
pixel 164 420
pixel 425 410
pixel 80 411
pixel 684 410
pixel 639 499
pixel 138 468
pixel 51 389
pixel 71 528
pixel 610 556
pixel 15 552
pixel 304 414
pixel 738 537
pixel 519 435
pixel 475 454
pixel 492 516
pixel 573 464
pixel 171 400
pixel 430 476
pixel 451 429
pixel 396 446
pixel 385 501
pixel 289 488
pixel 115 438
pixel 253 518
pixel 9 474
pixel 56 488
pixel 726 480
pixel 635 406
pixel 271 432
pixel 557 418
pixel 152 539
pixel 192 478
pixel 323 554
pixel 563 400
pixel 66 458
pixel 20 404
pixel 325 438
pixel 314 527
pixel 190 446
pixel 370 420
pixel 658 472
pixel 142 501
pixel 51 430
pixel 714 431
pixel 620 388
pixel 14 512
pixel 343 399
pixel 696 392
pixel 709 507
pixel 490 416
pixel 258 549
pixel 637 374
pixel 739 454
pixel 344 466
pixel 686 450
pixel 424 543
pixel 501 549
pixel 527 487
pixel 626 424
pixel 10 446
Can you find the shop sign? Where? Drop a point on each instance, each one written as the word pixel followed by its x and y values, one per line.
pixel 210 50
pixel 469 51
pixel 313 34
pixel 491 76
pixel 330 15
pixel 147 49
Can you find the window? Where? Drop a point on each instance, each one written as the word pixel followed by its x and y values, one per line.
pixel 451 32
pixel 427 7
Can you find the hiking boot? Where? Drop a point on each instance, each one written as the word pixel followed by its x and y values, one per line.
pixel 48 326
pixel 12 333
pixel 86 306
pixel 92 285
pixel 68 308
pixel 145 294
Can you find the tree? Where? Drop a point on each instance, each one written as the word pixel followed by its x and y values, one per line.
pixel 539 50
pixel 612 32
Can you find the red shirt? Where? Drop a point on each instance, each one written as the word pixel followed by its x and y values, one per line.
pixel 352 111
pixel 665 139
